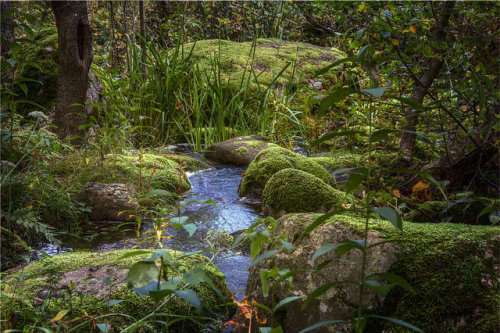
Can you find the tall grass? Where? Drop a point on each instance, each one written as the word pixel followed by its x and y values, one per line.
pixel 178 99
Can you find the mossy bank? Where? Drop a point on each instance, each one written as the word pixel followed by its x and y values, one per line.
pixel 98 286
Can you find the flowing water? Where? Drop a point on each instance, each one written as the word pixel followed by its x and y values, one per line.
pixel 232 214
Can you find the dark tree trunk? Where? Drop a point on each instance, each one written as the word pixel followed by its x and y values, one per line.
pixel 143 34
pixel 75 56
pixel 114 51
pixel 407 145
pixel 6 27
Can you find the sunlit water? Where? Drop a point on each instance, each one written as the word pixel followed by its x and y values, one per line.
pixel 233 213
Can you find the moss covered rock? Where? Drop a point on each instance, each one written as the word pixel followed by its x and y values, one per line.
pixel 187 163
pixel 459 211
pixel 98 282
pixel 271 160
pixel 150 171
pixel 453 269
pixel 238 151
pixel 270 56
pixel 294 191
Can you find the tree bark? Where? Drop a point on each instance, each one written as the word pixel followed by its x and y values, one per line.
pixel 143 34
pixel 6 27
pixel 113 51
pixel 74 37
pixel 407 145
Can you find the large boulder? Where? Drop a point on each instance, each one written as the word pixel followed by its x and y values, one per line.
pixel 145 171
pixel 453 269
pixel 98 282
pixel 238 151
pixel 271 160
pixel 296 191
pixel 108 201
pixel 258 62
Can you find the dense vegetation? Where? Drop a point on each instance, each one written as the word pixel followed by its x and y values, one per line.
pixel 393 104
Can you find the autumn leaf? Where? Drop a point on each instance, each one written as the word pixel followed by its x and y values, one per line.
pixel 413 28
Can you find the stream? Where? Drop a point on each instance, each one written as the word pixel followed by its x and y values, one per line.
pixel 232 214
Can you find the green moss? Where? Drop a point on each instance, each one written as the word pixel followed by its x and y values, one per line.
pixel 237 62
pixel 271 160
pixel 188 163
pixel 132 308
pixel 254 143
pixel 453 269
pixel 291 191
pixel 129 169
pixel 241 150
pixel 460 211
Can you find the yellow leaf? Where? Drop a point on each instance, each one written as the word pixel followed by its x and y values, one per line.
pixel 395 42
pixel 362 8
pixel 60 315
pixel 396 193
pixel 413 28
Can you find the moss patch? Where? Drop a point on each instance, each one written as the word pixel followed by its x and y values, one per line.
pixel 460 211
pixel 270 57
pixel 453 269
pixel 188 163
pixel 129 169
pixel 292 191
pixel 271 160
pixel 132 308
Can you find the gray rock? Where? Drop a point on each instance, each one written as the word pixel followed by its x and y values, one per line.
pixel 238 151
pixel 330 305
pixel 108 200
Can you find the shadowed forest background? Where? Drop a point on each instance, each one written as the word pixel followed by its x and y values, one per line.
pixel 249 166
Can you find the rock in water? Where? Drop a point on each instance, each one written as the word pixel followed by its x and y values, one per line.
pixel 238 151
pixel 108 200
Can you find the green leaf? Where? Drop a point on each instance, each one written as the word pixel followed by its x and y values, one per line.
pixel 375 92
pixel 189 296
pixel 336 63
pixel 397 322
pixel 321 324
pixel 158 193
pixel 354 180
pixel 264 256
pixel 324 249
pixel 180 220
pixel 319 221
pixel 394 279
pixel 104 327
pixel 382 134
pixel 133 253
pixel 286 301
pixel 411 102
pixel 390 215
pixel 158 295
pixel 12 62
pixel 195 276
pixel 105 280
pixel 141 273
pixel 378 287
pixel 336 96
pixel 190 228
pixel 424 174
pixel 318 292
pixel 329 136
pixel 114 302
pixel 161 253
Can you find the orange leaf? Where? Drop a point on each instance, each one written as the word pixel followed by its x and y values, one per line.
pixel 413 28
pixel 60 315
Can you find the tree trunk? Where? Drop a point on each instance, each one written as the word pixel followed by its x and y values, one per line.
pixel 6 27
pixel 113 50
pixel 143 34
pixel 74 39
pixel 407 145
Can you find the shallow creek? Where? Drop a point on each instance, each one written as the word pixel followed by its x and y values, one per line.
pixel 233 213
